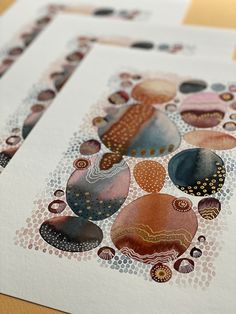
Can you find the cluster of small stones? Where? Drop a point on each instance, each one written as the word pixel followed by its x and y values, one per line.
pixel 16 120
pixel 204 270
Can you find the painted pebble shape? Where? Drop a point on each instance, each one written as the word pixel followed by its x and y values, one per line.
pixel 197 171
pixel 13 140
pixel 139 131
pixel 184 265
pixel 209 208
pixel 151 231
pixel 154 91
pixel 118 98
pixel 57 206
pixel 203 110
pixel 230 126
pixel 103 12
pixel 210 139
pixel 195 252
pixel 150 175
pixel 46 95
pixel 143 45
pixel 30 121
pixel 192 86
pixel 60 78
pixel 161 273
pixel 6 155
pixel 90 147
pixel 71 234
pixel 98 190
pixel 106 253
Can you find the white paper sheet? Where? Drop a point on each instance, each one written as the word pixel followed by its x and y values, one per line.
pixel 33 74
pixel 83 282
pixel 18 29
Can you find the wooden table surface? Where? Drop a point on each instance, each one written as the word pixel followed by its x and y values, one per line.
pixel 4 4
pixel 218 13
pixel 10 305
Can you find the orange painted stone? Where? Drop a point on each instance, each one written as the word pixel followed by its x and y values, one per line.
pixel 150 175
pixel 152 231
pixel 154 91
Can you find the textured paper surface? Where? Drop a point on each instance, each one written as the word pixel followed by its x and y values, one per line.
pixel 197 17
pixel 79 34
pixel 19 30
pixel 86 284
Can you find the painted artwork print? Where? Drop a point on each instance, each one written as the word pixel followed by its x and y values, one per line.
pixel 146 182
pixel 30 32
pixel 29 112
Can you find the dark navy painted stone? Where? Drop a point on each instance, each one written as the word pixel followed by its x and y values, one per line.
pixel 143 45
pixel 192 86
pixel 197 171
pixel 4 159
pixel 103 11
pixel 71 234
pixel 6 156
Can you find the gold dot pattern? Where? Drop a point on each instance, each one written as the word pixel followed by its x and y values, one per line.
pixel 119 135
pixel 207 186
pixel 150 175
pixel 211 231
pixel 161 273
pixel 108 160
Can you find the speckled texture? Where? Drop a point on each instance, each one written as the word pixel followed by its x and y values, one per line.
pixel 209 235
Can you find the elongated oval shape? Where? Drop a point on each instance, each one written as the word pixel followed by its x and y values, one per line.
pixel 203 110
pixel 30 121
pixel 192 86
pixel 210 139
pixel 139 131
pixel 71 234
pixel 154 91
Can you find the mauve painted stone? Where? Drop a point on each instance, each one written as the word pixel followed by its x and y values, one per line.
pixel 90 147
pixel 203 110
pixel 209 208
pixel 46 95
